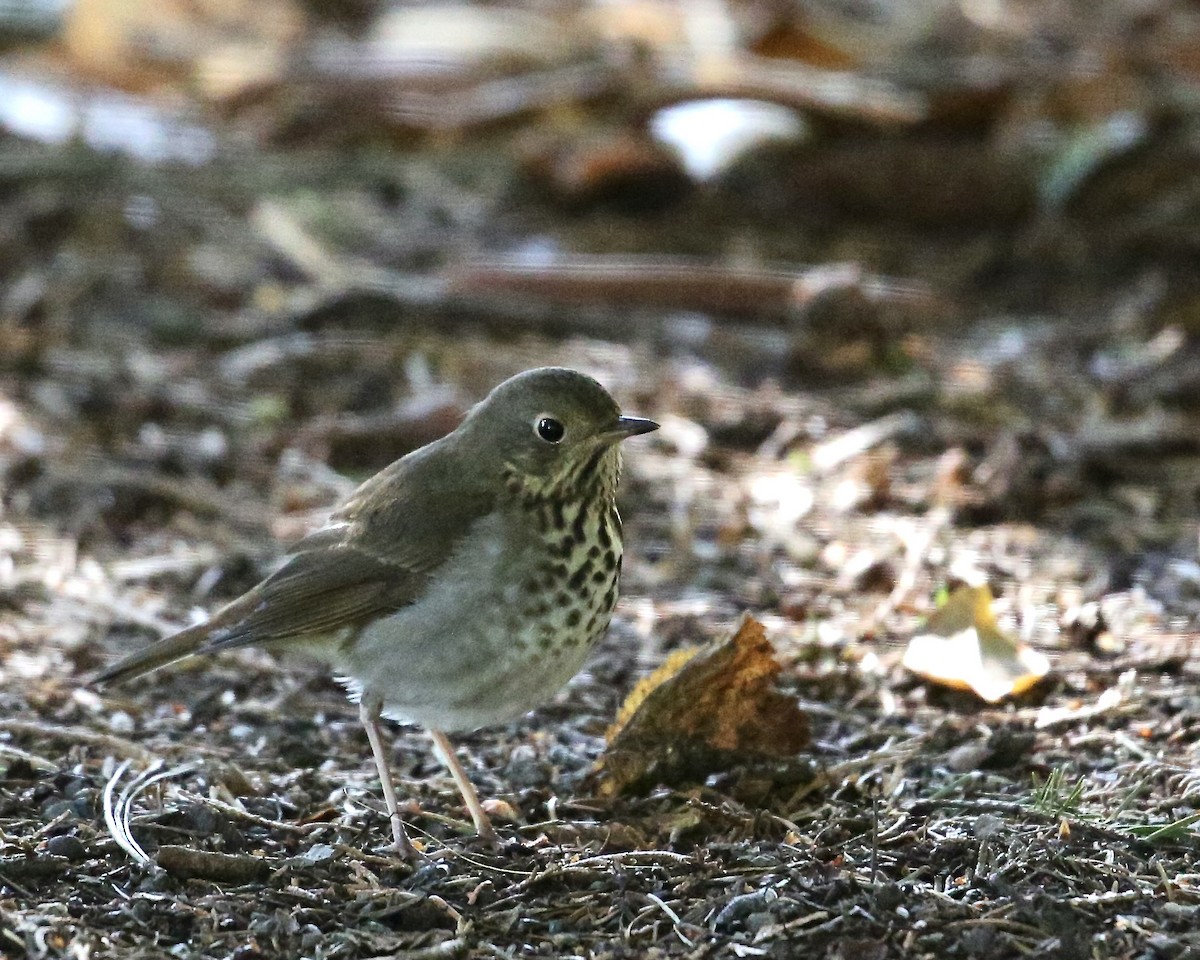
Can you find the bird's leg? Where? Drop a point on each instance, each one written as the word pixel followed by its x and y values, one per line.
pixel 368 712
pixel 443 748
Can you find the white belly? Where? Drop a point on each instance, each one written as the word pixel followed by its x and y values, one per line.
pixel 492 638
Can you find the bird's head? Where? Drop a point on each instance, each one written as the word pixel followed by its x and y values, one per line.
pixel 554 431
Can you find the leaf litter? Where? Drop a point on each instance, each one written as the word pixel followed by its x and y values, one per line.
pixel 875 383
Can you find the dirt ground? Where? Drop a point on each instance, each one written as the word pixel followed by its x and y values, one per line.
pixel 932 345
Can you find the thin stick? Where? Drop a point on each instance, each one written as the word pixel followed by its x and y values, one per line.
pixel 104 741
pixel 232 810
pixel 41 764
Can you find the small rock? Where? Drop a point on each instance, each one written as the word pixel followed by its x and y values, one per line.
pixel 121 722
pixel 889 896
pixel 1165 946
pixel 968 756
pixel 66 845
pixel 758 920
pixel 57 808
pixel 201 818
pixel 979 941
pixel 735 912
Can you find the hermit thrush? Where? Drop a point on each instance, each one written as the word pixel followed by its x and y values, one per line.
pixel 461 585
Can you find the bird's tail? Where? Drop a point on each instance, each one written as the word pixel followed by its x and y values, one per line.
pixel 175 647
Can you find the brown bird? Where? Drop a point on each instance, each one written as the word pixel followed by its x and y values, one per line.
pixel 460 586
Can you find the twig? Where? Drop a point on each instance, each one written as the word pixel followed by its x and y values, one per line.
pixel 175 564
pixel 890 752
pixel 1108 898
pixel 502 97
pixel 1019 810
pixel 239 813
pixel 665 909
pixel 289 238
pixel 197 496
pixel 672 282
pixel 457 947
pixel 104 741
pixel 103 609
pixel 800 926
pixel 33 868
pixel 832 453
pixel 633 857
pixel 590 866
pixel 51 825
pixel 835 94
pixel 919 545
pixel 189 864
pixel 874 838
pixel 774 930
pixel 38 763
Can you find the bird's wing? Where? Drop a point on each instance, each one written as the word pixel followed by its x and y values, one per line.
pixel 318 591
pixel 410 514
pixel 375 557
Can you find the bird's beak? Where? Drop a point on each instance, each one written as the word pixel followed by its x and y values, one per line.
pixel 630 427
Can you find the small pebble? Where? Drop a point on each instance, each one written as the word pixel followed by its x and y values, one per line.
pixel 57 808
pixel 121 722
pixel 66 845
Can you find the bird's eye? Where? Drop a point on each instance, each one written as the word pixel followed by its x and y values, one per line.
pixel 549 429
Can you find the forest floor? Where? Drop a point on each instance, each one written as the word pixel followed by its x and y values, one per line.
pixel 197 362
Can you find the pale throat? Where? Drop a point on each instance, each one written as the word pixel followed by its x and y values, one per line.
pixel 593 476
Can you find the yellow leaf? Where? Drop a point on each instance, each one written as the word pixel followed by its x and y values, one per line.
pixel 963 647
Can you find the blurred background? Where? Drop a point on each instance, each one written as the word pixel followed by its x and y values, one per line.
pixel 248 249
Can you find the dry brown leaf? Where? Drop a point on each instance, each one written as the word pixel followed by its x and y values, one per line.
pixel 963 647
pixel 699 708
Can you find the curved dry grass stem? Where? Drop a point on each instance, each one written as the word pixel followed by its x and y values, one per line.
pixel 112 819
pixel 117 812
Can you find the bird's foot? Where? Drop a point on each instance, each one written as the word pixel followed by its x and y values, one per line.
pixel 401 843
